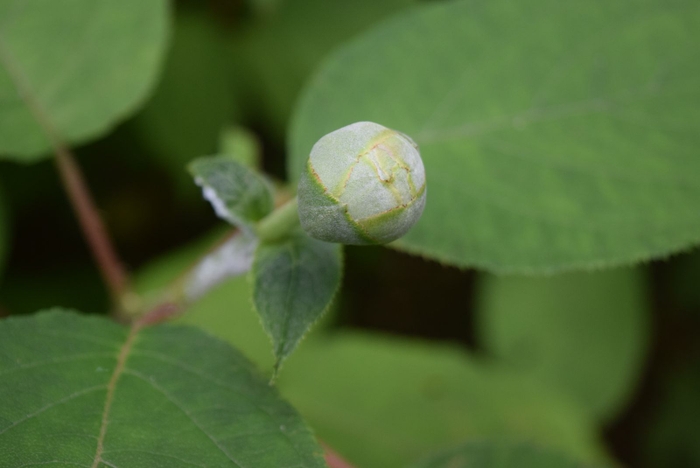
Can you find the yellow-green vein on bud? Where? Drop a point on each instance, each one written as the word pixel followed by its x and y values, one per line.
pixel 363 184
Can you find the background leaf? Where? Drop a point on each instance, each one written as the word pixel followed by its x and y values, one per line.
pixel 501 454
pixel 84 65
pixel 174 397
pixel 280 50
pixel 585 333
pixel 238 194
pixel 555 135
pixel 294 282
pixel 193 100
pixel 241 144
pixel 384 402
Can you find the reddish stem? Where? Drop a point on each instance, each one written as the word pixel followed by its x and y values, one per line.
pixel 333 459
pixel 91 223
pixel 95 233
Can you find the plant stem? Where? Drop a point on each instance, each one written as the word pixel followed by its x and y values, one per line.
pixel 279 223
pixel 91 223
pixel 93 228
pixel 333 459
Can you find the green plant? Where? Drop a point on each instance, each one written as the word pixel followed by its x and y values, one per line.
pixel 556 139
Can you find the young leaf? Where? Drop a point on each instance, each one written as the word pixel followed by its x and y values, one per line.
pixel 294 282
pixel 75 68
pixel 238 194
pixel 84 391
pixel 498 454
pixel 554 135
pixel 585 333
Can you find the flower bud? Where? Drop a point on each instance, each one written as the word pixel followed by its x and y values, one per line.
pixel 363 184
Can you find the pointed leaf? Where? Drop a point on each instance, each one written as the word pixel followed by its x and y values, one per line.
pixel 554 135
pixel 78 67
pixel 498 454
pixel 294 282
pixel 83 391
pixel 238 194
pixel 585 333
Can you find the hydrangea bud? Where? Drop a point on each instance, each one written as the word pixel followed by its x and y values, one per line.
pixel 363 184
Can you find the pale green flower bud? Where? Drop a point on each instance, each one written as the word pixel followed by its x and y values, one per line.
pixel 363 184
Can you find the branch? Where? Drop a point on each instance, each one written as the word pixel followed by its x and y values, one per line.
pixel 96 235
pixel 91 223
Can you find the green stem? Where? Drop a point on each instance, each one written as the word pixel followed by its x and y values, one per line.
pixel 279 223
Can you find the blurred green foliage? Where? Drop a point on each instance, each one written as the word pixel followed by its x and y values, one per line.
pixel 674 437
pixel 277 51
pixel 501 454
pixel 586 333
pixel 592 174
pixel 193 103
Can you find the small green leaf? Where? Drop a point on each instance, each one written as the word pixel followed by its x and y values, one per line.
pixel 385 402
pixel 584 333
pixel 238 194
pixel 294 282
pixel 555 136
pixel 498 454
pixel 81 390
pixel 78 67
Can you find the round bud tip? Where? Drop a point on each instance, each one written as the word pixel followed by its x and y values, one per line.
pixel 363 184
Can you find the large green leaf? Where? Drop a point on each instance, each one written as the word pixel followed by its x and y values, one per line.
pixel 555 135
pixel 586 333
pixel 237 193
pixel 497 454
pixel 77 66
pixel 386 402
pixel 294 282
pixel 83 391
pixel 192 103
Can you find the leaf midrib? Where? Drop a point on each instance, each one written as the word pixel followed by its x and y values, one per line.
pixel 111 387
